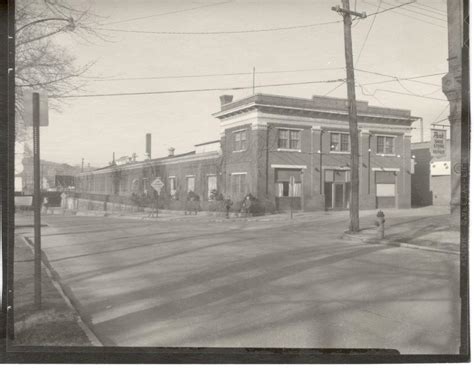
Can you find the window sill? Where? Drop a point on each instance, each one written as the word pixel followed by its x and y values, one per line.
pixel 340 152
pixel 392 155
pixel 239 150
pixel 289 150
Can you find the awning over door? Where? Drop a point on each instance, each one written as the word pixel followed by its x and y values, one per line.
pixel 284 175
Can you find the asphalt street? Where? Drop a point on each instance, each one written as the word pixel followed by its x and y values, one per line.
pixel 276 283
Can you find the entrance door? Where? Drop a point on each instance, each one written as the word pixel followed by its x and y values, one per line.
pixel 337 189
pixel 338 195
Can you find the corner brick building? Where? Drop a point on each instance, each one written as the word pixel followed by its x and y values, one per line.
pixel 286 152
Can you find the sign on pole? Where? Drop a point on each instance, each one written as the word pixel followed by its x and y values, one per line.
pixel 291 193
pixel 28 108
pixel 438 143
pixel 157 184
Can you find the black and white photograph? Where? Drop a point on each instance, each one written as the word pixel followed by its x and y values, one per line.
pixel 236 181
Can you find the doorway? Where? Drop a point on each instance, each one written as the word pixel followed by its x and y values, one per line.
pixel 337 189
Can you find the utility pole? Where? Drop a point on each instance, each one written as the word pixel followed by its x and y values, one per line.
pixel 37 199
pixel 82 165
pixel 351 98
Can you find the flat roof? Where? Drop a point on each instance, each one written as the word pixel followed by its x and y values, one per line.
pixel 323 103
pixel 207 143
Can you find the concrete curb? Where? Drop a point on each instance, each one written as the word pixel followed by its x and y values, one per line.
pixel 372 240
pixel 67 295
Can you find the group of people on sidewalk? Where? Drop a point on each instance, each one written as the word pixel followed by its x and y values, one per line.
pixel 192 205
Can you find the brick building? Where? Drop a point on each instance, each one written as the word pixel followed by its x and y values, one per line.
pixel 431 180
pixel 286 152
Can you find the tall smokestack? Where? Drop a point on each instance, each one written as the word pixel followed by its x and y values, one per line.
pixel 148 145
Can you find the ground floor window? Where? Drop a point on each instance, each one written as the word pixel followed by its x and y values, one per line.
pixel 190 183
pixel 288 189
pixel 172 186
pixel 288 183
pixel 238 184
pixel 211 185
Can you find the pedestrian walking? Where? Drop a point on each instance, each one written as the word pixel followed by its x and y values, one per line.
pixel 228 205
pixel 63 200
pixel 45 205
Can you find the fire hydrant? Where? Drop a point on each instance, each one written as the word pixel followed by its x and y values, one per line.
pixel 380 223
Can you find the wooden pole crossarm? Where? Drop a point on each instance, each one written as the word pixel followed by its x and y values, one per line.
pixel 338 9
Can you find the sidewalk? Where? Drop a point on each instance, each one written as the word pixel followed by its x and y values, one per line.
pixel 427 229
pixel 57 323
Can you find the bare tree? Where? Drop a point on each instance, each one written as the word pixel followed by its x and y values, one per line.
pixel 41 61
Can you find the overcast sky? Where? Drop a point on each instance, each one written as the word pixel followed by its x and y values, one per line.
pixel 405 42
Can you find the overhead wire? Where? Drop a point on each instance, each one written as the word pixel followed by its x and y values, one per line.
pixel 430 8
pixel 409 94
pixel 193 90
pixel 223 32
pixel 213 74
pixel 368 33
pixel 334 89
pixel 167 13
pixel 273 29
pixel 442 112
pixel 406 15
pixel 419 12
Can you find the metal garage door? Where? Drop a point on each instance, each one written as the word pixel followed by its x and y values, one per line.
pixel 385 185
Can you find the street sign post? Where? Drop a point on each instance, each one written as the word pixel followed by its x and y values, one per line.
pixel 292 194
pixel 29 111
pixel 157 185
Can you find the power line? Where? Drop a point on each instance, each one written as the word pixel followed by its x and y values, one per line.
pixel 222 32
pixel 439 121
pixel 334 89
pixel 410 79
pixel 421 13
pixel 428 10
pixel 406 15
pixel 442 111
pixel 387 9
pixel 243 31
pixel 430 7
pixel 167 13
pixel 193 90
pixel 408 94
pixel 396 78
pixel 368 32
pixel 213 75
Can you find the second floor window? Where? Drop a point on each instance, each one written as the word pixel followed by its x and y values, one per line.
pixel 238 185
pixel 339 142
pixel 385 145
pixel 289 139
pixel 240 140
